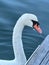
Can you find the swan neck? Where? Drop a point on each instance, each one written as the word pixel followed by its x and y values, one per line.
pixel 17 43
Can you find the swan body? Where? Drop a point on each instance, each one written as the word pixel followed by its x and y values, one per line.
pixel 20 58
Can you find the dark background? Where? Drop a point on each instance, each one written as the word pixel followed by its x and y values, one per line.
pixel 10 11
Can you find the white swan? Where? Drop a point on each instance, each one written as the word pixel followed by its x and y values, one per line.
pixel 20 58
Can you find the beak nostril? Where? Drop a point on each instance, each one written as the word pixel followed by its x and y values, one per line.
pixel 37 28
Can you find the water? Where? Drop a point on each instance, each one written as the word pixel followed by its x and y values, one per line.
pixel 10 11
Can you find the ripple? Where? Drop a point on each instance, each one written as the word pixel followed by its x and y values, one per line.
pixel 10 11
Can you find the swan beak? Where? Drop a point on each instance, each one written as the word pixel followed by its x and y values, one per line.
pixel 37 28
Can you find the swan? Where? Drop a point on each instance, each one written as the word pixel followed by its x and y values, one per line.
pixel 26 19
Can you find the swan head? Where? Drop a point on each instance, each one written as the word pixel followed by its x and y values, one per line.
pixel 32 21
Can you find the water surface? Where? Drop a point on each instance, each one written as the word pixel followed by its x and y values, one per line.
pixel 10 11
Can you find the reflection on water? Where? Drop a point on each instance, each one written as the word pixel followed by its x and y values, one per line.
pixel 10 11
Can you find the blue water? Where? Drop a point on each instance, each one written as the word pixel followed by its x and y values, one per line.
pixel 10 11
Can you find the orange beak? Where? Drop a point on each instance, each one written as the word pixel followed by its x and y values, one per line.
pixel 37 28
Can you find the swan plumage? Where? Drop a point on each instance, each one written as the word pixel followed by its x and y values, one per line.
pixel 20 58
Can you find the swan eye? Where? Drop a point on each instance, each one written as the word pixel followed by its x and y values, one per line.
pixel 35 22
